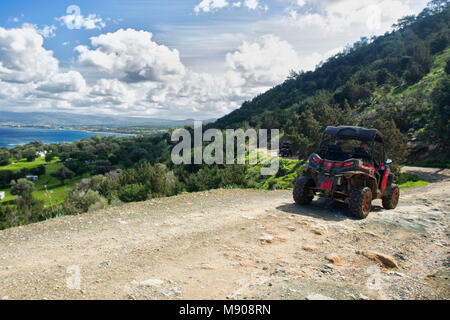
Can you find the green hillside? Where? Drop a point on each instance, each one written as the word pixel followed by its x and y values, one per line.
pixel 397 82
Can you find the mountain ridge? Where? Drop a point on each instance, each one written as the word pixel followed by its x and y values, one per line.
pixel 71 119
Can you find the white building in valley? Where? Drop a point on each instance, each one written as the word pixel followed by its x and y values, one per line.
pixel 41 154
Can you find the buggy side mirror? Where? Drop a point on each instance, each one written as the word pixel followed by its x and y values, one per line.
pixel 388 161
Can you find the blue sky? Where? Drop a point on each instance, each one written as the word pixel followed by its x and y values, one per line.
pixel 171 59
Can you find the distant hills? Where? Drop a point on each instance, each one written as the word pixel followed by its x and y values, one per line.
pixel 62 119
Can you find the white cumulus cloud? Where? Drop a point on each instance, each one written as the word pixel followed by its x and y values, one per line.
pixel 131 56
pixel 211 5
pixel 127 72
pixel 78 21
pixel 251 4
pixel 264 62
pixel 214 5
pixel 71 81
pixel 342 15
pixel 23 57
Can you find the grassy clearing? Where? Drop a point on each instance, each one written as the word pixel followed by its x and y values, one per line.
pixel 56 192
pixel 423 87
pixel 17 165
pixel 284 179
pixel 429 81
pixel 410 184
pixel 408 180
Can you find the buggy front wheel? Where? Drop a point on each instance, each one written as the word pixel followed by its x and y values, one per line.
pixel 390 201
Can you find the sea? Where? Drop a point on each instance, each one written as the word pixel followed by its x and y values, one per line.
pixel 11 137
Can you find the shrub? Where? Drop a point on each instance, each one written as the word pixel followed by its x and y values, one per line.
pixel 128 177
pixel 159 179
pixel 38 171
pixel 403 177
pixel 21 173
pixel 205 179
pixel 99 205
pixel 104 185
pixel 49 157
pixel 234 175
pixel 5 178
pixel 134 193
pixel 80 202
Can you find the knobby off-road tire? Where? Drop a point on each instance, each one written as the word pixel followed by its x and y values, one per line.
pixel 390 201
pixel 303 193
pixel 360 202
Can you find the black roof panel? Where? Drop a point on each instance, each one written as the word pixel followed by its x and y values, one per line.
pixel 359 133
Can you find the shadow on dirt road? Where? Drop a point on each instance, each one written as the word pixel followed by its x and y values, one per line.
pixel 429 174
pixel 325 209
pixel 321 208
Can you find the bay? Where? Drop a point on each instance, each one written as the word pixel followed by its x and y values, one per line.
pixel 11 137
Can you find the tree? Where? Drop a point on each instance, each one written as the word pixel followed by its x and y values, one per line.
pixel 5 178
pixel 21 173
pixel 30 155
pixel 440 42
pixel 25 202
pixel 4 157
pixel 22 187
pixel 394 141
pixel 38 171
pixel 438 129
pixel 438 6
pixel 404 22
pixel 50 156
pixel 64 173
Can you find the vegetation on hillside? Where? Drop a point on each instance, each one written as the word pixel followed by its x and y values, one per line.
pixel 94 173
pixel 397 82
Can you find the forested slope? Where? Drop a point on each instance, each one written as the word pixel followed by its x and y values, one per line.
pixel 398 83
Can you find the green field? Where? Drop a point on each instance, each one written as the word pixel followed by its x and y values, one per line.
pixel 410 184
pixel 56 192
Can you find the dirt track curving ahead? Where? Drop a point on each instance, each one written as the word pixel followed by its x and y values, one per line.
pixel 235 244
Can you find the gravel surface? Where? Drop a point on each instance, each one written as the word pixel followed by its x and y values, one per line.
pixel 236 244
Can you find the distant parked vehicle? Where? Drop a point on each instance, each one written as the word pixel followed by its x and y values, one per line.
pixel 32 178
pixel 285 150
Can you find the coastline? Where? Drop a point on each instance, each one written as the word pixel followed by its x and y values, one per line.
pixel 12 141
pixel 64 128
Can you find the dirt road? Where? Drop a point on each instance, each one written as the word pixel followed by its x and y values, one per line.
pixel 236 244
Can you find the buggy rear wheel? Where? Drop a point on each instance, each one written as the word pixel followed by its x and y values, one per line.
pixel 360 202
pixel 303 190
pixel 390 201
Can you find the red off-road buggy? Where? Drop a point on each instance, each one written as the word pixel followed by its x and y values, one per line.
pixel 349 167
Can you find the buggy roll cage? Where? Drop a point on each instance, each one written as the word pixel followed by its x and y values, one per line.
pixel 370 136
